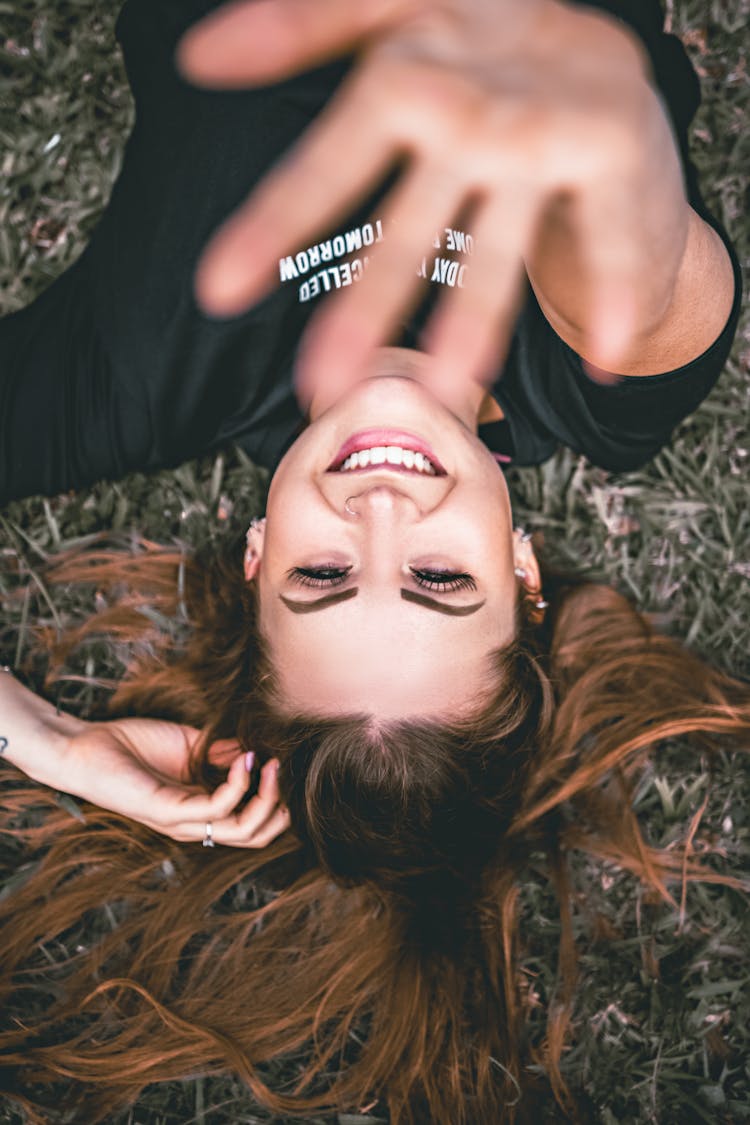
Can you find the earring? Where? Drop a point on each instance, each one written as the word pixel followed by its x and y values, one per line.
pixel 519 572
pixel 350 511
pixel 255 524
pixel 524 535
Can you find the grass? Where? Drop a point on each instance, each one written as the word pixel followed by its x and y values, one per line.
pixel 663 1023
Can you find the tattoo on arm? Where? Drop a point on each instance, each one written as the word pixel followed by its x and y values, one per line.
pixel 3 745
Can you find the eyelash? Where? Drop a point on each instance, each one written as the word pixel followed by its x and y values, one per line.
pixel 436 580
pixel 319 575
pixel 443 580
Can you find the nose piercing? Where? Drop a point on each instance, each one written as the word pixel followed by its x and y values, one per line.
pixel 350 511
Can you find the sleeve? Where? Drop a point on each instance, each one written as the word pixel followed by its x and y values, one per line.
pixel 545 393
pixel 114 368
pixel 64 420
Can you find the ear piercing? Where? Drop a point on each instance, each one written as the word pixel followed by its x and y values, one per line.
pixel 250 552
pixel 350 511
pixel 255 525
pixel 534 596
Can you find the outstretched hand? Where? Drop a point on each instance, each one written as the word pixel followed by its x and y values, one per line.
pixel 532 120
pixel 139 768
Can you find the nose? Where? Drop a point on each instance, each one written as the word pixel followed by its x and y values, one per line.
pixel 379 501
pixel 380 495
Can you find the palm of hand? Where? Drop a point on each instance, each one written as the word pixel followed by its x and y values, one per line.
pixel 145 755
pixel 140 769
pixel 496 108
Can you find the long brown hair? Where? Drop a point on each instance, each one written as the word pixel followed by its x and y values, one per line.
pixel 381 936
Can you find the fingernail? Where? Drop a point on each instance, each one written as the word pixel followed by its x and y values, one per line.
pixel 249 760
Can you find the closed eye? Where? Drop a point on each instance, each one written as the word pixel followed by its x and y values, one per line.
pixel 439 581
pixel 443 581
pixel 318 576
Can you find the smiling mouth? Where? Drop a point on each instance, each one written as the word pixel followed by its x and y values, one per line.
pixel 386 449
pixel 389 457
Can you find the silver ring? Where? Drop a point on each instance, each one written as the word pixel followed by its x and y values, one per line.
pixel 208 839
pixel 349 511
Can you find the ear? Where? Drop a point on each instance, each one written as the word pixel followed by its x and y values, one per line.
pixel 256 535
pixel 524 560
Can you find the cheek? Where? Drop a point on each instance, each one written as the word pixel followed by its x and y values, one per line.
pixel 487 522
pixel 289 497
pixel 296 527
pixel 487 504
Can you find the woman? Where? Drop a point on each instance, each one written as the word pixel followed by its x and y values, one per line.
pixel 115 368
pixel 425 800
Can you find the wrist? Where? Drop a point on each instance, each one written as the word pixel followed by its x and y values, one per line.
pixel 34 735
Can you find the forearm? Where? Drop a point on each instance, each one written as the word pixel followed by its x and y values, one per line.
pixel 33 735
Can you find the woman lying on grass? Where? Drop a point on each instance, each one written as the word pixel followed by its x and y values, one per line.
pixel 380 636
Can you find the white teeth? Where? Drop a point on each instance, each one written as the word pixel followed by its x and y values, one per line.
pixel 389 455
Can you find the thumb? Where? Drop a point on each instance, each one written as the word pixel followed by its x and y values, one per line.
pixel 223 752
pixel 252 42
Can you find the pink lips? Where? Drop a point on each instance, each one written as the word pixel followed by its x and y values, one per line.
pixel 369 439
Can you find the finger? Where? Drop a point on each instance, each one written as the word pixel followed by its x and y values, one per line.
pixel 610 235
pixel 599 375
pixel 249 825
pixel 341 338
pixel 268 794
pixel 223 752
pixel 235 834
pixel 227 796
pixel 258 811
pixel 470 329
pixel 176 807
pixel 252 43
pixel 343 153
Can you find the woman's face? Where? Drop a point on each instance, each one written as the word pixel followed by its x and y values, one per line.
pixel 383 589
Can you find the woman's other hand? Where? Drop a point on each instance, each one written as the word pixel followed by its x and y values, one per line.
pixel 139 768
pixel 531 121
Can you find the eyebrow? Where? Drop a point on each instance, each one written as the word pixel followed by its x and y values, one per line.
pixel 297 606
pixel 441 607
